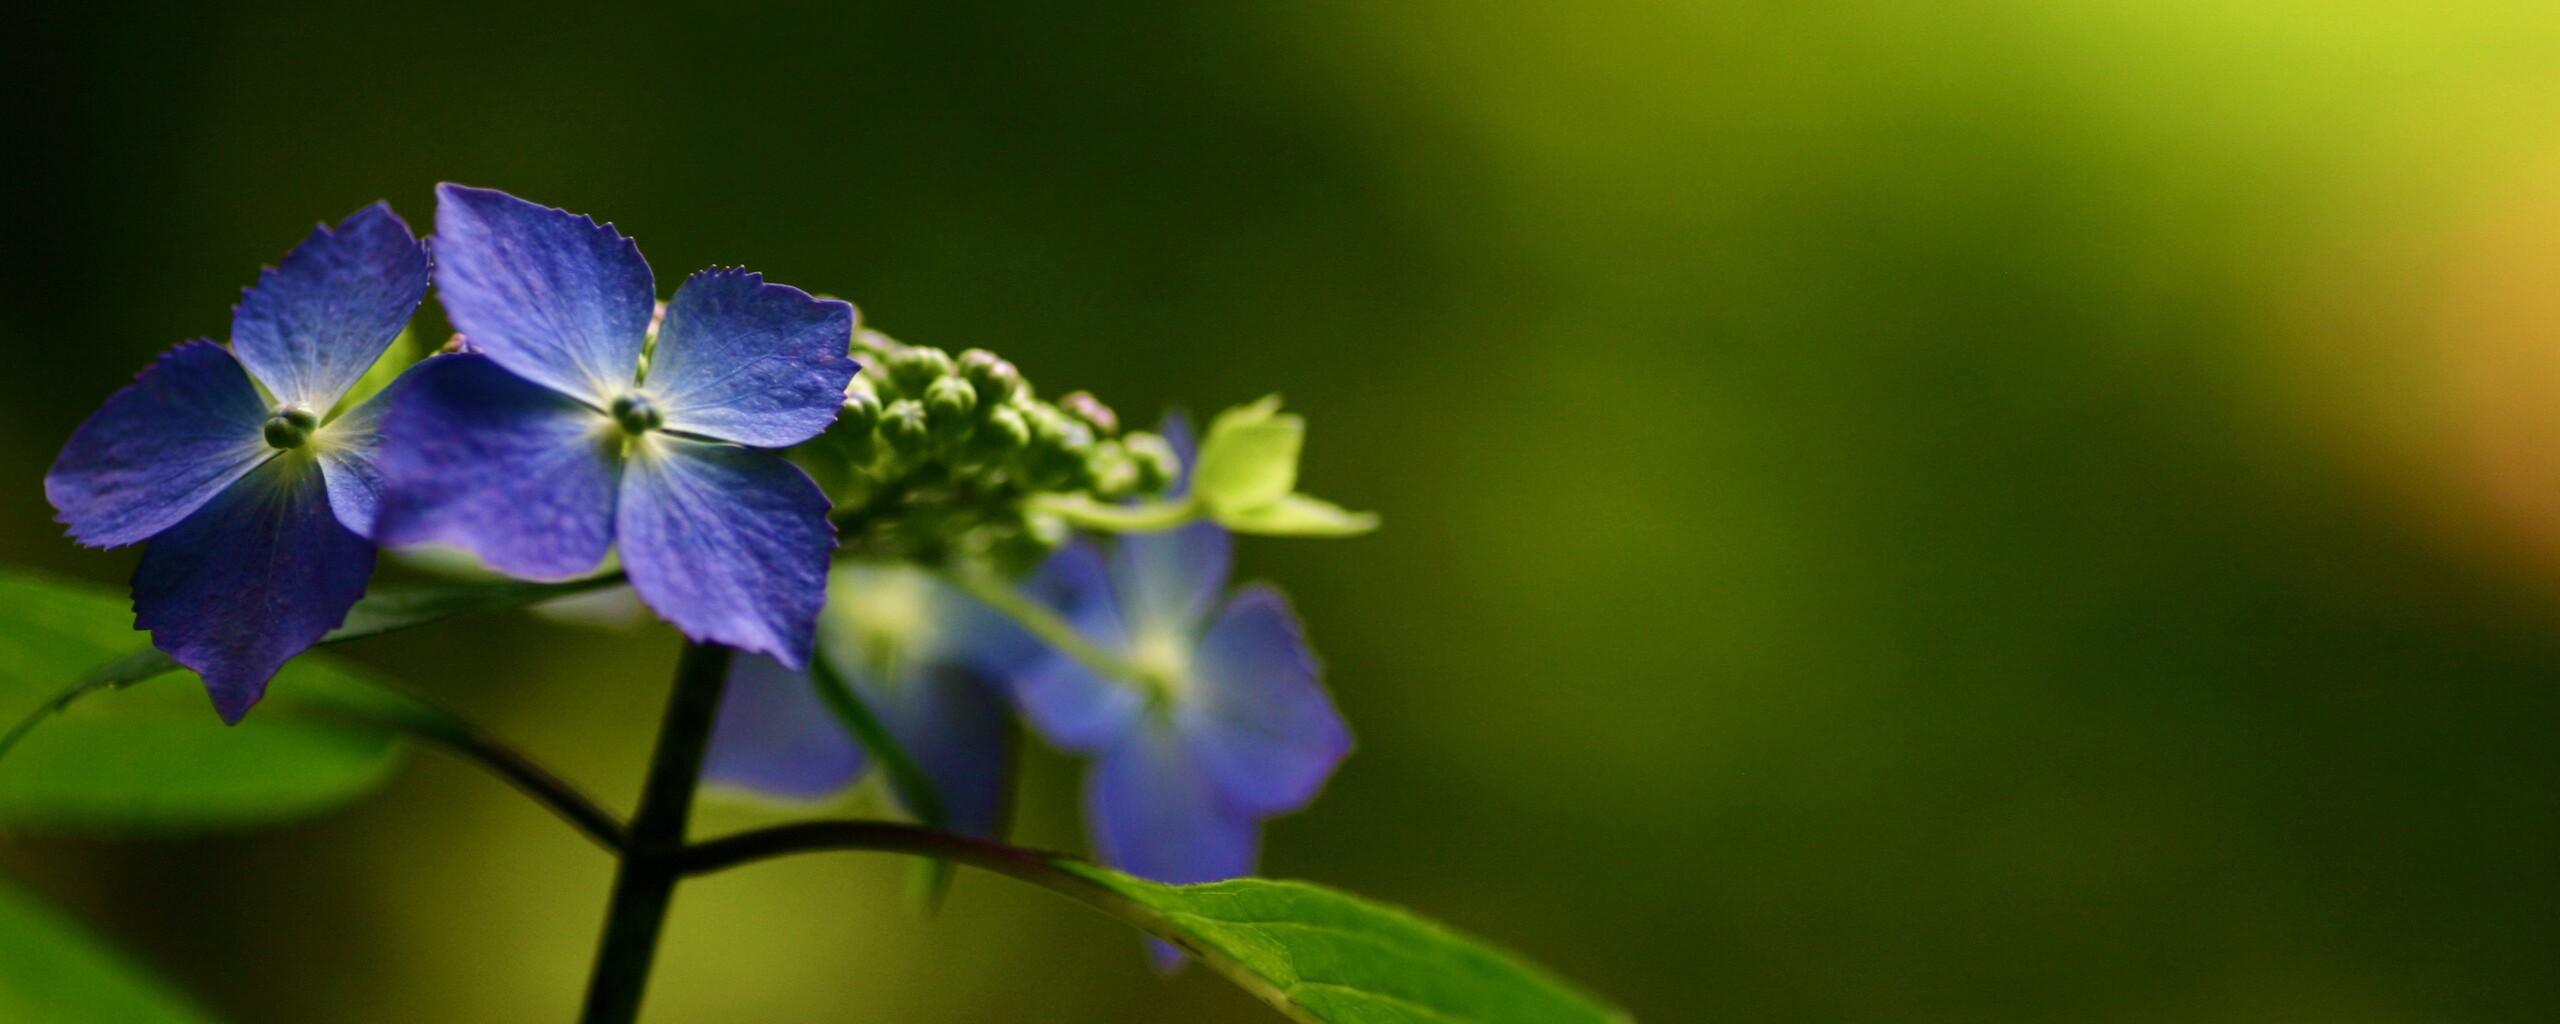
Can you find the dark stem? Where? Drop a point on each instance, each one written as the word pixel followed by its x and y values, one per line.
pixel 536 781
pixel 1046 870
pixel 879 836
pixel 653 858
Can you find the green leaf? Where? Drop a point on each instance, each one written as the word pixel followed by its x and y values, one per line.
pixel 1249 458
pixel 1297 515
pixel 394 608
pixel 51 969
pixel 157 759
pixel 1325 957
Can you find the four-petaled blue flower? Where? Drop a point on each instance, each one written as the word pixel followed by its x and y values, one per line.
pixel 565 428
pixel 925 659
pixel 255 490
pixel 573 423
pixel 1229 724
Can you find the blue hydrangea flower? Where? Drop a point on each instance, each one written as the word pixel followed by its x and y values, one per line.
pixel 1230 725
pixel 923 657
pixel 255 490
pixel 565 428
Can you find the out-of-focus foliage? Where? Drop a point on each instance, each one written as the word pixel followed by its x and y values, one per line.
pixel 51 969
pixel 2011 510
pixel 148 758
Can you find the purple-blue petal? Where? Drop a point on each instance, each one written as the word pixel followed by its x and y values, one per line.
pixel 728 544
pixel 1176 429
pixel 971 635
pixel 759 364
pixel 186 428
pixel 310 327
pixel 478 458
pixel 1259 720
pixel 1073 707
pixel 958 730
pixel 350 456
pixel 1169 580
pixel 1157 815
pixel 776 737
pixel 552 295
pixel 256 576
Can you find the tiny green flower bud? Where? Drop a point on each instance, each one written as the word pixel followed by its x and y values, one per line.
pixel 1113 472
pixel 950 399
pixel 872 347
pixel 996 381
pixel 948 407
pixel 1155 461
pixel 290 426
pixel 1021 545
pixel 875 376
pixel 903 426
pixel 861 410
pixel 1002 433
pixel 1083 406
pixel 914 369
pixel 1056 457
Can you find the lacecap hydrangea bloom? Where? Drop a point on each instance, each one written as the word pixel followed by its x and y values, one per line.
pixel 1228 725
pixel 929 664
pixel 254 488
pixel 568 426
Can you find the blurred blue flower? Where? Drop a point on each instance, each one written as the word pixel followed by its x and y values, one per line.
pixel 255 490
pixel 1229 725
pixel 565 428
pixel 925 659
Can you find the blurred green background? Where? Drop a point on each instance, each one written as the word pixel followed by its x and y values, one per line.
pixel 1895 512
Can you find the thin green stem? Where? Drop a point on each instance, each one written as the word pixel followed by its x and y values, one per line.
pixel 913 787
pixel 1041 622
pixel 653 860
pixel 1147 517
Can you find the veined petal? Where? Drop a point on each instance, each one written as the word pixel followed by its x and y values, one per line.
pixel 1169 580
pixel 728 544
pixel 256 576
pixel 1259 720
pixel 759 364
pixel 776 738
pixel 158 450
pixel 956 727
pixel 1157 815
pixel 310 327
pixel 1069 704
pixel 554 296
pixel 486 461
pixel 350 448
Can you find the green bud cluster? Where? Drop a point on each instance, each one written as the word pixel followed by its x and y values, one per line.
pixel 936 458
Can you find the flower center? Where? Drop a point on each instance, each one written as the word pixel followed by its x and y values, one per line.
pixel 635 415
pixel 1163 659
pixel 889 609
pixel 290 426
